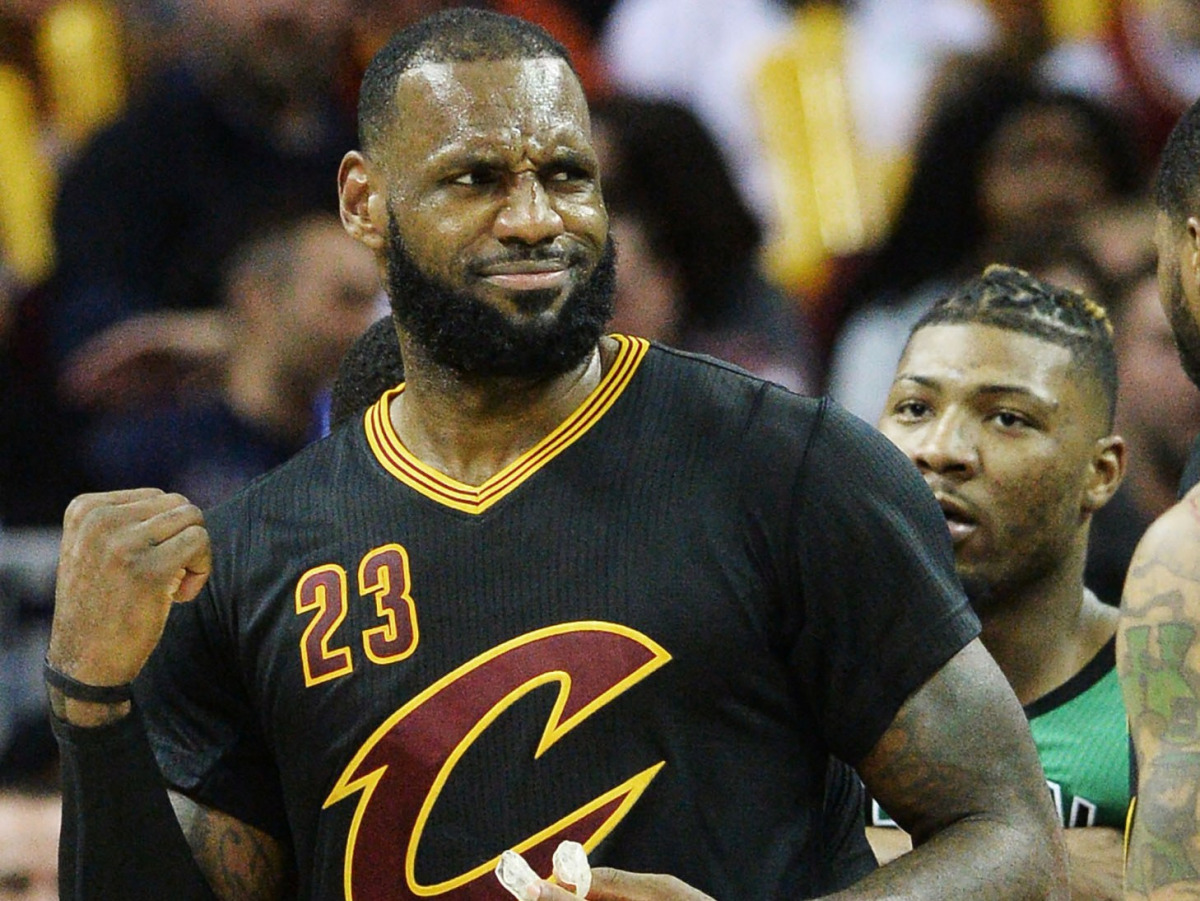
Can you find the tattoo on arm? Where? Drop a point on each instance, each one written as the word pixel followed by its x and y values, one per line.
pixel 1159 660
pixel 957 768
pixel 899 769
pixel 239 861
pixel 925 781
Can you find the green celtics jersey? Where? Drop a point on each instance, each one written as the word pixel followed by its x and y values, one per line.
pixel 1083 742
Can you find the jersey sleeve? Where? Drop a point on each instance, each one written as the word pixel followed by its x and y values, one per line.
pixel 201 724
pixel 882 608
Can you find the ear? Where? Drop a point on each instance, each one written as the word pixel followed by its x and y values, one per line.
pixel 1106 473
pixel 1189 263
pixel 362 200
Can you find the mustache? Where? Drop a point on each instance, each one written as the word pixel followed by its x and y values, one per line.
pixel 572 256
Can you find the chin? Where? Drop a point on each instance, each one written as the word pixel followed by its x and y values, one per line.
pixel 979 588
pixel 540 304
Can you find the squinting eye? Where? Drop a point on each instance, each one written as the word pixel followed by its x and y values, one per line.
pixel 568 174
pixel 476 177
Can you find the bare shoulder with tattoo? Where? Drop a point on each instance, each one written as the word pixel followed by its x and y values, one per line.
pixel 239 861
pixel 1158 657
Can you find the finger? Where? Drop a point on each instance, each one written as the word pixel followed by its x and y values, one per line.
pixel 616 885
pixel 84 504
pixel 128 529
pixel 191 551
pixel 189 586
pixel 188 549
pixel 548 891
pixel 165 517
pixel 609 884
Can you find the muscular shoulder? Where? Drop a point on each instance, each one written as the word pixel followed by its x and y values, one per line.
pixel 1176 530
pixel 1160 606
pixel 1166 565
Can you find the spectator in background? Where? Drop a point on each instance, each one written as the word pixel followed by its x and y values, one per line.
pixel 249 125
pixel 702 54
pixel 1000 162
pixel 39 469
pixel 1145 62
pixel 296 297
pixel 29 822
pixel 687 271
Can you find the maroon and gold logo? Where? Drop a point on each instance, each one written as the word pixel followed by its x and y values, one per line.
pixel 402 768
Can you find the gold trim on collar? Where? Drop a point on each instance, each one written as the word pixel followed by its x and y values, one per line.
pixel 397 460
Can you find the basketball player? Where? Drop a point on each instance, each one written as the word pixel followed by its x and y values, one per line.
pixel 555 586
pixel 1004 400
pixel 1158 646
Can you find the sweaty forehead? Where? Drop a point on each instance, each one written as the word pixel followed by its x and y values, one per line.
pixel 510 101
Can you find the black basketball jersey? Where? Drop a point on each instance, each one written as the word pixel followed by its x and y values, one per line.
pixel 647 634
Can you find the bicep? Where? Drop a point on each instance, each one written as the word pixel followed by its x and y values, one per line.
pixel 239 861
pixel 959 748
pixel 1158 657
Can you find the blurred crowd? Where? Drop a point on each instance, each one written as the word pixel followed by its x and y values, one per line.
pixel 790 184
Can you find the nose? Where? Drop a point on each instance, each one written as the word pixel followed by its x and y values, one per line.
pixel 528 215
pixel 946 446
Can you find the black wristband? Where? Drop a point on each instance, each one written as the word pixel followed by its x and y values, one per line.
pixel 79 691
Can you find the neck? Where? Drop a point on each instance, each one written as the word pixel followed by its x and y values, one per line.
pixel 260 393
pixel 1043 633
pixel 470 429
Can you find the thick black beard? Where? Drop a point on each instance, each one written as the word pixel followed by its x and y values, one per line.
pixel 468 337
pixel 1186 330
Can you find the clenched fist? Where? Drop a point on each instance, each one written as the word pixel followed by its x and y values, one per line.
pixel 126 556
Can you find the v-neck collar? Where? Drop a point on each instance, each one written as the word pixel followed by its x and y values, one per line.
pixel 394 457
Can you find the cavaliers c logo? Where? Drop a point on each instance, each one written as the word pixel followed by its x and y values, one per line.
pixel 592 662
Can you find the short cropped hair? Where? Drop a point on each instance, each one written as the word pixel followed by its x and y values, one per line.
pixel 1177 184
pixel 455 35
pixel 1012 299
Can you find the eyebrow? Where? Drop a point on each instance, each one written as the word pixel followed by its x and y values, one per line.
pixel 453 159
pixel 985 390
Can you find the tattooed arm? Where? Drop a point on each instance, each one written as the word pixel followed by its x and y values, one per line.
pixel 1158 658
pixel 958 769
pixel 238 861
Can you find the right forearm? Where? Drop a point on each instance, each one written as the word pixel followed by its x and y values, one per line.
pixel 120 837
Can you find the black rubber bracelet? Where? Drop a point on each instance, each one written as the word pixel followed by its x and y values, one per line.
pixel 79 691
